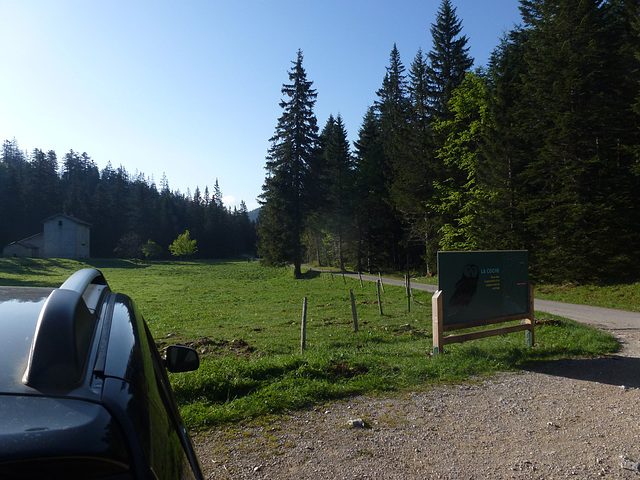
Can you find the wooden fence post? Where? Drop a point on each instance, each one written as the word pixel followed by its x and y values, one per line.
pixel 437 321
pixel 303 334
pixel 379 299
pixel 531 340
pixel 354 313
pixel 380 279
pixel 407 284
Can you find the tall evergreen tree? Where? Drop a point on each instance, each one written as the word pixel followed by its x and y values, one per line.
pixel 285 193
pixel 392 107
pixel 393 110
pixel 11 153
pixel 507 144
pixel 415 172
pixel 12 171
pixel 334 174
pixel 448 60
pixel 42 188
pixel 578 181
pixel 372 212
pixel 242 232
pixel 80 177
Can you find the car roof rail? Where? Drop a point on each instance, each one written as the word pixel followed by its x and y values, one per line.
pixel 65 329
pixel 90 283
pixel 80 280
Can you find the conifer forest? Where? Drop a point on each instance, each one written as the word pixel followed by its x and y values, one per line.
pixel 126 212
pixel 538 150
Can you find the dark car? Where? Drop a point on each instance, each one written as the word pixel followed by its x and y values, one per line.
pixel 83 390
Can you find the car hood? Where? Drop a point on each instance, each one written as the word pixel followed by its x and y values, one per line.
pixel 44 427
pixel 19 311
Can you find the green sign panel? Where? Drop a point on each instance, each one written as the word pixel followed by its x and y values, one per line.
pixel 478 286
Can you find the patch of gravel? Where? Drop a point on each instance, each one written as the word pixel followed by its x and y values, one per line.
pixel 568 419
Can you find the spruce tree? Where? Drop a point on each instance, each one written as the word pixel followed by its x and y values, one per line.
pixel 392 110
pixel 12 171
pixel 578 185
pixel 374 222
pixel 333 213
pixel 507 148
pixel 285 197
pixel 42 188
pixel 449 58
pixel 415 171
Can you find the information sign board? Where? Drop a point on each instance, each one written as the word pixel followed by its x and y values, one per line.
pixel 481 285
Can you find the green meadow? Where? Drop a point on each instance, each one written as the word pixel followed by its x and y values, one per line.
pixel 245 321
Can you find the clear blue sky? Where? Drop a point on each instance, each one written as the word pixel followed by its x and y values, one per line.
pixel 191 88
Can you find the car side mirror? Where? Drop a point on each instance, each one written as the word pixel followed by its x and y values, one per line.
pixel 181 359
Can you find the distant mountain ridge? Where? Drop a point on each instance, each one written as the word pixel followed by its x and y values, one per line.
pixel 253 214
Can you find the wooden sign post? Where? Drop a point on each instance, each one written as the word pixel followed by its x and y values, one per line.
pixel 481 288
pixel 439 340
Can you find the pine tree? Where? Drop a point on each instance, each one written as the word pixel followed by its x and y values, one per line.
pixel 393 110
pixel 507 148
pixel 285 193
pixel 42 188
pixel 334 174
pixel 578 181
pixel 80 176
pixel 449 58
pixel 415 172
pixel 217 194
pixel 12 172
pixel 11 153
pixel 242 232
pixel 371 207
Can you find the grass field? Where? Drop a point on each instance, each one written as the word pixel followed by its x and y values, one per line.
pixel 244 319
pixel 622 296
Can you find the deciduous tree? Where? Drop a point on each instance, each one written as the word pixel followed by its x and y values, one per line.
pixel 183 246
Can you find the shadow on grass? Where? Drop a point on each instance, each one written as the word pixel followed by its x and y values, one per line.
pixel 34 266
pixel 136 264
pixel 115 263
pixel 25 283
pixel 310 274
pixel 33 272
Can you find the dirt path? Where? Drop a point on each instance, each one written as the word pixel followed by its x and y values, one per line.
pixel 568 419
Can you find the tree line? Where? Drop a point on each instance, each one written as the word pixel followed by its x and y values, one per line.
pixel 539 150
pixel 128 213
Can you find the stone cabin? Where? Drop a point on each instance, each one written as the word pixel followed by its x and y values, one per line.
pixel 63 236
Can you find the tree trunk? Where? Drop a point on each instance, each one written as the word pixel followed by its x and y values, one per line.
pixel 297 270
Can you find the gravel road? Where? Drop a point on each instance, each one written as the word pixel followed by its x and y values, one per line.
pixel 568 419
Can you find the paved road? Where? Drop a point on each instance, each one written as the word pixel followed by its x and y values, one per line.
pixel 597 316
